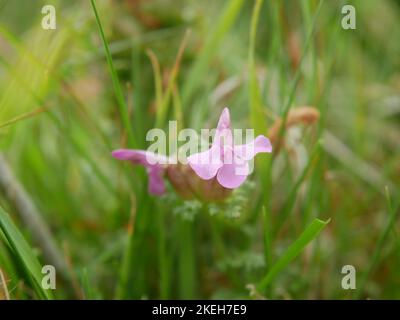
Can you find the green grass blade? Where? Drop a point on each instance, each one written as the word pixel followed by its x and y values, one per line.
pixel 87 288
pixel 162 108
pixel 157 76
pixel 293 251
pixel 297 75
pixel 258 119
pixel 24 254
pixel 291 200
pixel 187 260
pixel 381 241
pixel 196 74
pixel 163 257
pixel 257 114
pixel 128 260
pixel 123 108
pixel 267 237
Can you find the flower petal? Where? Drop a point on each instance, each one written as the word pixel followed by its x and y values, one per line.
pixel 224 121
pixel 233 173
pixel 155 166
pixel 156 181
pixel 142 157
pixel 223 135
pixel 229 178
pixel 248 151
pixel 207 163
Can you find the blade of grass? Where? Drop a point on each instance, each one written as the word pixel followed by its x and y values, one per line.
pixel 197 72
pixel 24 116
pixel 162 109
pixel 309 234
pixel 162 255
pixel 268 258
pixel 87 289
pixel 138 97
pixel 258 119
pixel 267 237
pixel 157 76
pixel 393 212
pixel 187 263
pixel 297 75
pixel 128 257
pixel 291 200
pixel 123 109
pixel 257 114
pixel 177 103
pixel 16 194
pixel 3 285
pixel 134 269
pixel 24 254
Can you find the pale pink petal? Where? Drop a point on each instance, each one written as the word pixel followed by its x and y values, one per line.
pixel 223 135
pixel 224 121
pixel 206 164
pixel 248 151
pixel 232 176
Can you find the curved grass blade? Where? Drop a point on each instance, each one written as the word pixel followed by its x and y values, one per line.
pixel 297 75
pixel 291 200
pixel 309 234
pixel 162 108
pixel 24 254
pixel 393 212
pixel 256 109
pixel 123 108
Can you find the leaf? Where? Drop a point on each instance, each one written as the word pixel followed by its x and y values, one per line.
pixel 25 255
pixel 293 251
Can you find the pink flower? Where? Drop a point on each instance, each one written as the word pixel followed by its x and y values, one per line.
pixel 154 164
pixel 225 161
pixel 182 178
pixel 209 175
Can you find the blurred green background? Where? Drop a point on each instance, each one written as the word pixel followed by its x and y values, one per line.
pixel 63 110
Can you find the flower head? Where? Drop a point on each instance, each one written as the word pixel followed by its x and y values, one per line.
pixel 226 162
pixel 209 175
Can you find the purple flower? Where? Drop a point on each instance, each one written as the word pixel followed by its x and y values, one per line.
pixel 224 160
pixel 209 175
pixel 154 164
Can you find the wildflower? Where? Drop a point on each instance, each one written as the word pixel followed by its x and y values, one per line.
pixel 226 162
pixel 209 175
pixel 182 178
